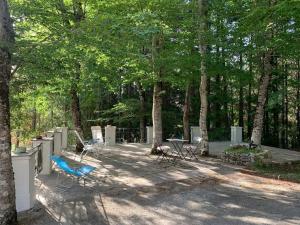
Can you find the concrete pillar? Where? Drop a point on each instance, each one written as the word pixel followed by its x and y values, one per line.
pixel 57 143
pixel 24 174
pixel 195 132
pixel 110 135
pixel 149 134
pixel 236 135
pixel 64 136
pixel 47 149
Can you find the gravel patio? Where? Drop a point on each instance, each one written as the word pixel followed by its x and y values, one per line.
pixel 129 187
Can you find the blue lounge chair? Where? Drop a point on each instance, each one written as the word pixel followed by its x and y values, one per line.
pixel 79 173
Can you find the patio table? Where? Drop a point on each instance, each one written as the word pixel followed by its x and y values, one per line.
pixel 178 147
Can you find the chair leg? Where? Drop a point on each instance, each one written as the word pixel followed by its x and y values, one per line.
pixel 57 178
pixel 83 154
pixel 62 186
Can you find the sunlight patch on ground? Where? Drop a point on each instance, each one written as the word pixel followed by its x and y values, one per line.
pixel 252 219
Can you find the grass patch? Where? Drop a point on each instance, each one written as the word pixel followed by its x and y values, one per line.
pixel 281 172
pixel 240 149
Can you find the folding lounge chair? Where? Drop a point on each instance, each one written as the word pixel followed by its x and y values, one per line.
pixel 79 173
pixel 87 146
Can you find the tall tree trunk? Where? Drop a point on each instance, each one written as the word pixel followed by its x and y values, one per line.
pixel 34 118
pixel 209 108
pixel 157 44
pixel 75 107
pixel 282 135
pixel 241 96
pixel 203 28
pixel 249 111
pixel 76 113
pixel 266 125
pixel 225 92
pixel 249 98
pixel 286 106
pixel 186 112
pixel 157 116
pixel 218 111
pixel 276 128
pixel 8 214
pixel 298 104
pixel 226 108
pixel 262 96
pixel 142 99
pixel 276 109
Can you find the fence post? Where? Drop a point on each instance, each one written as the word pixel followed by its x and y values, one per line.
pixel 149 134
pixel 64 136
pixel 24 174
pixel 47 151
pixel 57 143
pixel 110 135
pixel 236 135
pixel 195 132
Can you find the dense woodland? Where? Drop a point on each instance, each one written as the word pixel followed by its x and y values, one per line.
pixel 82 63
pixel 132 63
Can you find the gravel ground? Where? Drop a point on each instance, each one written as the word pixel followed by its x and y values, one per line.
pixel 129 187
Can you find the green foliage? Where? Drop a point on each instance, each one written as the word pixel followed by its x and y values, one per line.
pixel 109 55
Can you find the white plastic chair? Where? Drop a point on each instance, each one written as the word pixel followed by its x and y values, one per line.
pixel 87 146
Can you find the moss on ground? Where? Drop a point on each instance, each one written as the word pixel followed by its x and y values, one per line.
pixel 289 172
pixel 240 149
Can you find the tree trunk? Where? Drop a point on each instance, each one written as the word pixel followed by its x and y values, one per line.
pixel 76 113
pixel 226 108
pixel 8 214
pixel 225 92
pixel 186 112
pixel 266 125
pixel 203 28
pixel 208 91
pixel 157 44
pixel 218 119
pixel 241 96
pixel 34 118
pixel 142 96
pixel 156 116
pixel 276 128
pixel 286 107
pixel 75 107
pixel 282 135
pixel 262 96
pixel 249 98
pixel 298 104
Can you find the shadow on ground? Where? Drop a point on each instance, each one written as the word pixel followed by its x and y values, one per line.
pixel 129 187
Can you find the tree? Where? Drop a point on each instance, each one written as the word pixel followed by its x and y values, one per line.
pixel 262 96
pixel 8 214
pixel 157 44
pixel 186 112
pixel 203 30
pixel 267 59
pixel 102 63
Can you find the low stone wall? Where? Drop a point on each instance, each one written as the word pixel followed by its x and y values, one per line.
pixel 245 159
pixel 241 159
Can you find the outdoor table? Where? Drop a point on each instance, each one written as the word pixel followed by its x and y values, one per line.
pixel 178 147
